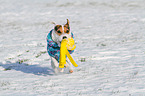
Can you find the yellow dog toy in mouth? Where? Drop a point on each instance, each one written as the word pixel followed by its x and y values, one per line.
pixel 66 44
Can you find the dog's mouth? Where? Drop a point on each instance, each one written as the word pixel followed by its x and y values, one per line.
pixel 63 39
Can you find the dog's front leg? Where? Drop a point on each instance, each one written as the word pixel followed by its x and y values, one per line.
pixel 55 65
pixel 69 65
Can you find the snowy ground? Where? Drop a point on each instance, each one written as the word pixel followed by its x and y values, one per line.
pixel 110 39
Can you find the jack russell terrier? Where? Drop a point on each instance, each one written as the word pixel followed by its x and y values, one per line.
pixel 54 38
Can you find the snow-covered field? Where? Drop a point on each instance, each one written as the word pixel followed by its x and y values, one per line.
pixel 110 39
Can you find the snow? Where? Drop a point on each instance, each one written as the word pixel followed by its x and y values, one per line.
pixel 110 52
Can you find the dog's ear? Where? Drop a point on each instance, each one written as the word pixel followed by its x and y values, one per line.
pixel 67 22
pixel 53 23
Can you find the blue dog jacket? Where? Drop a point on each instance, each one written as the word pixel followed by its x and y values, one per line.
pixel 52 47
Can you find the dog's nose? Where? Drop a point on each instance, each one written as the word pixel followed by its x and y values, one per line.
pixel 64 37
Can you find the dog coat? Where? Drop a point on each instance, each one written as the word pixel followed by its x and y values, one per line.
pixel 52 47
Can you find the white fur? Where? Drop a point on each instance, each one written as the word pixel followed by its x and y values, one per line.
pixel 55 65
pixel 56 38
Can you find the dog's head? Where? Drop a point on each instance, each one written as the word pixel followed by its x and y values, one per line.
pixel 62 31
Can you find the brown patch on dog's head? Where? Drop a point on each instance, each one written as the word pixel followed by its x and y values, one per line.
pixel 58 29
pixel 66 27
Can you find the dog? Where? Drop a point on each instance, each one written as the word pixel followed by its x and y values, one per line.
pixel 54 38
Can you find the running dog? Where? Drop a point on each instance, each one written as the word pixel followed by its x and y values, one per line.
pixel 54 38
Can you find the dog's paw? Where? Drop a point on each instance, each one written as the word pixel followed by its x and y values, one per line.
pixel 70 71
pixel 61 70
pixel 58 70
pixel 55 70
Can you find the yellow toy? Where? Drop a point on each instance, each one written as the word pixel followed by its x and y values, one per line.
pixel 66 44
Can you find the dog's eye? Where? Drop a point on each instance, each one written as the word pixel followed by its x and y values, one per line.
pixel 58 31
pixel 67 31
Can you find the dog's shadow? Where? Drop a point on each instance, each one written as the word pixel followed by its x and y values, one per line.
pixel 30 69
